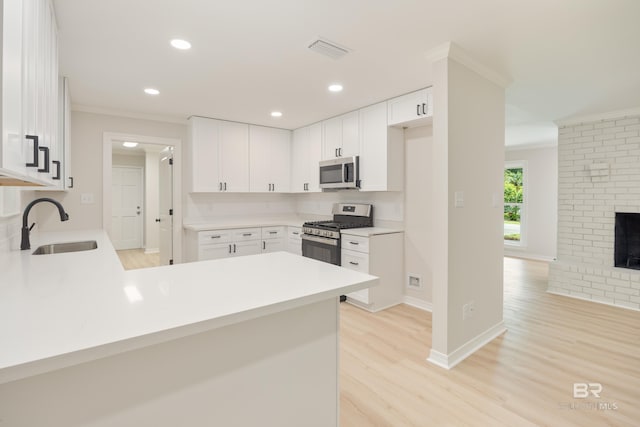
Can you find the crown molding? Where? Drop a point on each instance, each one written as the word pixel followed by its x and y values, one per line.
pixel 598 117
pixel 127 114
pixel 452 51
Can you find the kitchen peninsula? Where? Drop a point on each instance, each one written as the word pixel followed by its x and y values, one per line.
pixel 241 341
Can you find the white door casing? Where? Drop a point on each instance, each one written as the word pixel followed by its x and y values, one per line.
pixel 107 146
pixel 166 207
pixel 127 203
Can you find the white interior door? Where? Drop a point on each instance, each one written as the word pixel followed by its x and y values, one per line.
pixel 127 202
pixel 166 208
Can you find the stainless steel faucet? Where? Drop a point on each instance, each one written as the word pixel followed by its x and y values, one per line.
pixel 25 244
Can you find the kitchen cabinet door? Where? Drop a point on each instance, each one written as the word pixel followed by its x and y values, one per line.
pixel 251 247
pixel 13 155
pixel 269 159
pixel 203 149
pixel 234 156
pixel 215 251
pixel 411 109
pixel 340 136
pixel 350 135
pixel 381 151
pixel 306 153
pixel 274 245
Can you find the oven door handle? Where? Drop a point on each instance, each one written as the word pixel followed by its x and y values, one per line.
pixel 323 240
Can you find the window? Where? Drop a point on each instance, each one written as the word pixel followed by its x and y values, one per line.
pixel 514 203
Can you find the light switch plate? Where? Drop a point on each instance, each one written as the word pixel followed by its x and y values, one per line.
pixel 86 198
pixel 458 199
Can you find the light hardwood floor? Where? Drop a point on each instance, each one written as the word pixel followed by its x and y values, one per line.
pixel 523 378
pixel 132 259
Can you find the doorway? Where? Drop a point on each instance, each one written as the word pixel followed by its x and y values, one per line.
pixel 158 212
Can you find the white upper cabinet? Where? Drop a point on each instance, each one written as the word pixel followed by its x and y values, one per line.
pixel 381 151
pixel 269 159
pixel 233 156
pixel 341 136
pixel 306 153
pixel 30 117
pixel 219 155
pixel 412 109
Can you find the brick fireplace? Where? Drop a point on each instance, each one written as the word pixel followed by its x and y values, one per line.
pixel 599 212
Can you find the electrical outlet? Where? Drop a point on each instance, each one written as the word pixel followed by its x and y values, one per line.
pixel 414 281
pixel 468 310
pixel 86 198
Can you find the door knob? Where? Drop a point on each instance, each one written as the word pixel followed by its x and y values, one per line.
pixel 157 219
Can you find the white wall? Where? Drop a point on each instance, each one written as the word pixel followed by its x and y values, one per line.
pixel 541 203
pixel 128 159
pixel 202 207
pixel 468 157
pixel 388 207
pixel 87 131
pixel 419 211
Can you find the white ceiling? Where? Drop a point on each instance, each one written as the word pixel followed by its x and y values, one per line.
pixel 566 58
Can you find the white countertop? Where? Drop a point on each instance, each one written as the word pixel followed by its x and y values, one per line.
pixel 370 231
pixel 63 309
pixel 226 223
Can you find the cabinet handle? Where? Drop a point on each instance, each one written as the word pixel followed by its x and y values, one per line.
pixel 234 248
pixel 296 233
pixel 273 232
pixel 353 263
pixel 70 182
pixel 220 186
pixel 336 152
pixel 45 169
pixel 340 152
pixel 225 186
pixel 264 245
pixel 229 248
pixel 418 110
pixel 215 237
pixel 354 243
pixel 424 106
pixel 57 163
pixel 36 156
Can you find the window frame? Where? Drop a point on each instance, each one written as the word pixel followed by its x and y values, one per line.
pixel 519 164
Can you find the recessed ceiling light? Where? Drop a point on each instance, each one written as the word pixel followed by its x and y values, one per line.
pixel 335 88
pixel 180 44
pixel 151 91
pixel 130 144
pixel 276 114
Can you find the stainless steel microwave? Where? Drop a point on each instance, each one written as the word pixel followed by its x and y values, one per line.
pixel 343 172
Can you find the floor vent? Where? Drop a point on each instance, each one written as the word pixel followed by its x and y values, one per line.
pixel 327 48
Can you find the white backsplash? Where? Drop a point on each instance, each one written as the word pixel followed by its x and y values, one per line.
pixel 10 233
pixel 388 206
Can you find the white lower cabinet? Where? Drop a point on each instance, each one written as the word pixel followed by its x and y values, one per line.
pixel 273 239
pixel 294 240
pixel 226 243
pixel 379 255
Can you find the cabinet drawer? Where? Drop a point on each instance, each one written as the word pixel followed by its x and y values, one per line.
pixel 242 234
pixel 294 232
pixel 215 236
pixel 215 251
pixel 272 232
pixel 353 260
pixel 355 243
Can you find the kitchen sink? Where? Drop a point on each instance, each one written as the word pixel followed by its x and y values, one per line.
pixel 58 248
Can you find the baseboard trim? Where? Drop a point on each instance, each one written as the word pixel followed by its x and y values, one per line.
pixel 467 349
pixel 418 303
pixel 151 251
pixel 592 300
pixel 534 257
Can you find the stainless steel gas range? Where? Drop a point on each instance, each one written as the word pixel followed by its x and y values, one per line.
pixel 321 239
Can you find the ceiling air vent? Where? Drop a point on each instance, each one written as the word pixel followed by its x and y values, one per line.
pixel 327 48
